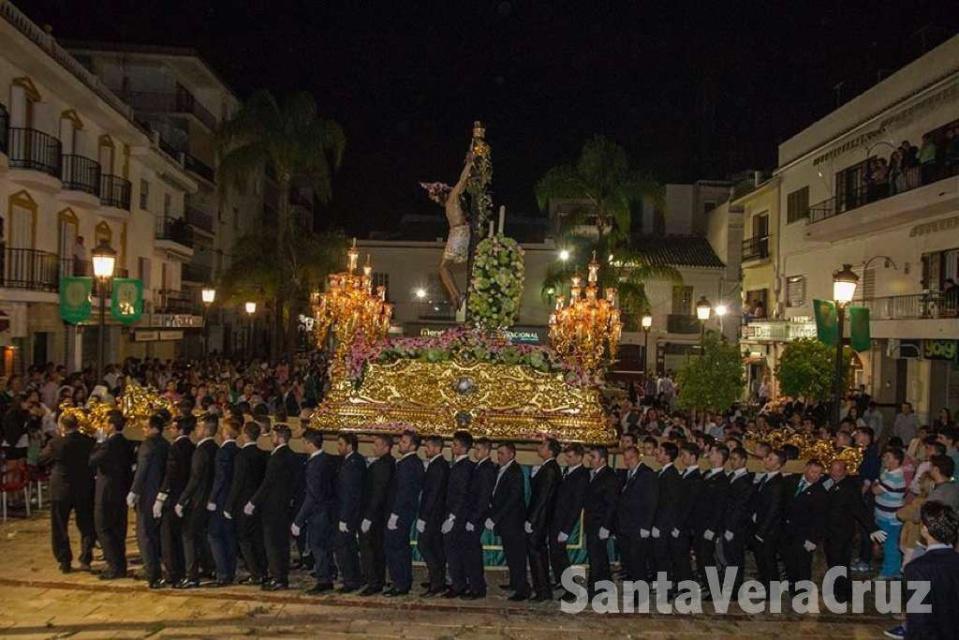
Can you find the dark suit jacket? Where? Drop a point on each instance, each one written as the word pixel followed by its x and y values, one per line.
pixel 177 469
pixel 738 499
pixel 275 495
pixel 940 567
pixel 223 462
pixel 692 487
pixel 458 489
pixel 542 500
pixel 151 465
pixel 708 511
pixel 71 475
pixel 569 500
pixel 669 511
pixel 844 509
pixel 202 472
pixel 248 471
pixel 433 499
pixel 602 494
pixel 404 494
pixel 805 513
pixel 319 499
pixel 636 507
pixel 507 507
pixel 349 490
pixel 481 493
pixel 769 507
pixel 113 462
pixel 376 487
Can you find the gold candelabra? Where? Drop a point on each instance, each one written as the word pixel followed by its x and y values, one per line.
pixel 589 326
pixel 350 307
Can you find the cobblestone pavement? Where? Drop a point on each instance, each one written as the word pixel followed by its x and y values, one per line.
pixel 36 601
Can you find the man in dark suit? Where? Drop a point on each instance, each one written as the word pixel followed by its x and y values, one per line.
pixel 539 516
pixel 569 506
pixel 192 503
pixel 349 503
pixel 112 458
pixel 735 523
pixel 635 514
pixel 432 513
pixel 803 522
pixel 403 501
pixel 680 538
pixel 769 507
pixel 151 466
pixel 669 508
pixel 457 512
pixel 71 489
pixel 939 567
pixel 221 533
pixel 248 471
pixel 175 480
pixel 599 509
pixel 273 500
pixel 317 513
pixel 706 519
pixel 376 487
pixel 477 510
pixel 506 517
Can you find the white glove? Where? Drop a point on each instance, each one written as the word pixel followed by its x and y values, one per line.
pixel 365 525
pixel 227 515
pixel 708 535
pixel 528 527
pixel 490 524
pixel 728 535
pixel 420 525
pixel 603 533
pixel 447 524
pixel 469 527
pixel 157 509
pixel 809 546
pixel 295 530
pixel 343 527
pixel 178 510
pixel 249 508
pixel 878 536
pixel 562 537
pixel 391 523
pixel 759 539
pixel 644 533
pixel 211 506
pixel 131 499
pixel 655 532
pixel 674 533
pixel 101 436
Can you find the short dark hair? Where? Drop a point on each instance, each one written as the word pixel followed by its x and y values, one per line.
pixel 600 451
pixel 574 448
pixel 896 453
pixel 941 521
pixel 350 439
pixel 791 451
pixel 436 441
pixel 509 446
pixel 157 421
pixel 413 436
pixel 781 455
pixel 553 445
pixel 740 453
pixel 186 424
pixel 252 430
pixel 211 424
pixel 944 463
pixel 69 422
pixel 691 449
pixel 868 431
pixel 385 438
pixel 630 435
pixel 670 449
pixel 631 449
pixel 723 451
pixel 650 440
pixel 464 438
pixel 314 437
pixel 116 420
pixel 815 462
pixel 283 430
pixel 483 442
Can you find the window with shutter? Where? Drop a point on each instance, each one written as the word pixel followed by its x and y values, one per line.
pixel 797 205
pixel 795 291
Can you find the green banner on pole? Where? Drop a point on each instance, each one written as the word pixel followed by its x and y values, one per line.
pixel 827 329
pixel 126 303
pixel 859 337
pixel 75 292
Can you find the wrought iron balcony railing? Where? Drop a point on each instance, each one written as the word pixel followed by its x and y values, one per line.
pixel 80 173
pixel 33 149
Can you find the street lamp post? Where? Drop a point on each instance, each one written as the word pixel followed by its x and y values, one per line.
pixel 104 261
pixel 844 284
pixel 703 309
pixel 721 311
pixel 250 311
pixel 207 295
pixel 647 324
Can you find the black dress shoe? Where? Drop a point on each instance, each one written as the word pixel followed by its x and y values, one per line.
pixel 518 597
pixel 187 583
pixel 370 591
pixel 156 584
pixel 395 593
pixel 542 597
pixel 253 580
pixel 275 585
pixel 425 585
pixel 427 593
pixel 451 593
pixel 216 584
pixel 472 595
pixel 65 567
pixel 320 587
pixel 109 575
pixel 347 588
pixel 506 587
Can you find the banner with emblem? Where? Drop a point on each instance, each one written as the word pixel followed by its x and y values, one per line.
pixel 859 337
pixel 126 302
pixel 75 292
pixel 827 324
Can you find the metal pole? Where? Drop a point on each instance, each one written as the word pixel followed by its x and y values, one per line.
pixel 102 285
pixel 837 382
pixel 206 330
pixel 645 352
pixel 702 338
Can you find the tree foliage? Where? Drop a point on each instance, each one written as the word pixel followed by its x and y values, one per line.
pixel 713 381
pixel 806 369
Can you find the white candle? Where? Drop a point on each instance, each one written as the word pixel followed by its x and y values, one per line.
pixel 502 217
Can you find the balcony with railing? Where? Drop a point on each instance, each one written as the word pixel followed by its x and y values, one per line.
pixel 174 230
pixel 4 128
pixel 930 305
pixel 682 323
pixel 180 102
pixel 33 149
pixel 199 218
pixel 176 303
pixel 29 269
pixel 197 272
pixel 756 248
pixel 80 173
pixel 200 168
pixel 115 192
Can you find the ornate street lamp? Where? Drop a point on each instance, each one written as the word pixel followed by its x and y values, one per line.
pixel 104 263
pixel 844 284
pixel 721 310
pixel 647 323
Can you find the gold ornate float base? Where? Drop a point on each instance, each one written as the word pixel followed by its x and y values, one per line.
pixel 500 402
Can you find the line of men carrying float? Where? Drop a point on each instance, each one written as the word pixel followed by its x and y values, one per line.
pixel 200 506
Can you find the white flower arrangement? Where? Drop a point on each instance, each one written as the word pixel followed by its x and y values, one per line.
pixel 496 286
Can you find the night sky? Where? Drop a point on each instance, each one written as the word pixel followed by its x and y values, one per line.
pixel 691 89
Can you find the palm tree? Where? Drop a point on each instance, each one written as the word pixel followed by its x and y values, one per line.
pixel 604 189
pixel 299 147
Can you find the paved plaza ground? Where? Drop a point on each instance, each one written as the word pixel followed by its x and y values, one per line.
pixel 37 601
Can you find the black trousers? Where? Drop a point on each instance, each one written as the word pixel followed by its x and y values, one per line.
pixel 558 556
pixel 249 538
pixel 373 556
pixel 538 549
pixel 110 520
pixel 597 551
pixel 474 561
pixel 454 547
pixel 838 553
pixel 276 541
pixel 60 509
pixel 663 557
pixel 196 547
pixel 171 543
pixel 346 551
pixel 765 554
pixel 734 553
pixel 430 544
pixel 148 540
pixel 635 552
pixel 705 553
pixel 514 548
pixel 679 552
pixel 797 560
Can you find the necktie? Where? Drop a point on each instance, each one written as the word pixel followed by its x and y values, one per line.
pixel 801 487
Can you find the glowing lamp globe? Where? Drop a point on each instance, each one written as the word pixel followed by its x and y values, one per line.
pixel 104 260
